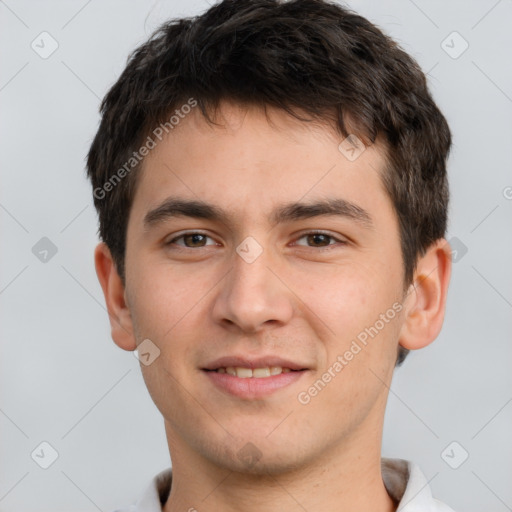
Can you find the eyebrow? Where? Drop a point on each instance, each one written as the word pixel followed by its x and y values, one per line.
pixel 179 207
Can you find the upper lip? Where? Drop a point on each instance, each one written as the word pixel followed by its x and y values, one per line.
pixel 256 362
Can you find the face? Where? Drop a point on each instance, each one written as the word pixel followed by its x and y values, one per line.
pixel 289 256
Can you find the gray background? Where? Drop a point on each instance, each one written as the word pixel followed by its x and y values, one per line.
pixel 64 381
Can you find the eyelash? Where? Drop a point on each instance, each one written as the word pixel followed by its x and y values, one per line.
pixel 303 235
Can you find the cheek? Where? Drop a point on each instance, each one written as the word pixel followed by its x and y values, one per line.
pixel 164 297
pixel 348 299
pixel 170 307
pixel 165 309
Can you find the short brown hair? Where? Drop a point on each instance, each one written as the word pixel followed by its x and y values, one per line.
pixel 311 56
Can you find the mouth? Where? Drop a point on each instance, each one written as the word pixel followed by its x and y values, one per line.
pixel 253 379
pixel 246 373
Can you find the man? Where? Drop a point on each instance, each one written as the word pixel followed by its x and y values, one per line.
pixel 271 185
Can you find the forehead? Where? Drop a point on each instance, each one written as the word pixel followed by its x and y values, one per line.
pixel 253 160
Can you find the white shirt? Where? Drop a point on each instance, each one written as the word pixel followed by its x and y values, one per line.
pixel 403 480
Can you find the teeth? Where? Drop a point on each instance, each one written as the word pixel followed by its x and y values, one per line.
pixel 260 372
pixel 245 373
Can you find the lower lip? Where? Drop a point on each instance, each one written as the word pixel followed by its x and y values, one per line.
pixel 253 387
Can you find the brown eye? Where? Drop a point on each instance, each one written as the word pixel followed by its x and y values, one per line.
pixel 191 240
pixel 319 240
pixel 194 240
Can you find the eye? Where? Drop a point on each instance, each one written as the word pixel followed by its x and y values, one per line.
pixel 191 240
pixel 319 239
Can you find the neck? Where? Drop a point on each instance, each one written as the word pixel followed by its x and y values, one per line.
pixel 347 477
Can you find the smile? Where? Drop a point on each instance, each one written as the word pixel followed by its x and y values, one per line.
pixel 246 373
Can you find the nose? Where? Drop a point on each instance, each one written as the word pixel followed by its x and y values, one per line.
pixel 253 296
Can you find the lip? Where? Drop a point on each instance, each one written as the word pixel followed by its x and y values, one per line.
pixel 253 387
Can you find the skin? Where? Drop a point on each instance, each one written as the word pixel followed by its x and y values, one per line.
pixel 304 298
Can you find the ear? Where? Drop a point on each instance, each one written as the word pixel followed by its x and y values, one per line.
pixel 425 301
pixel 113 289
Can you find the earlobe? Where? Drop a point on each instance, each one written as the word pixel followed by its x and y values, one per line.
pixel 114 292
pixel 425 301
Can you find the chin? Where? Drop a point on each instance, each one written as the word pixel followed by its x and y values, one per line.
pixel 258 456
